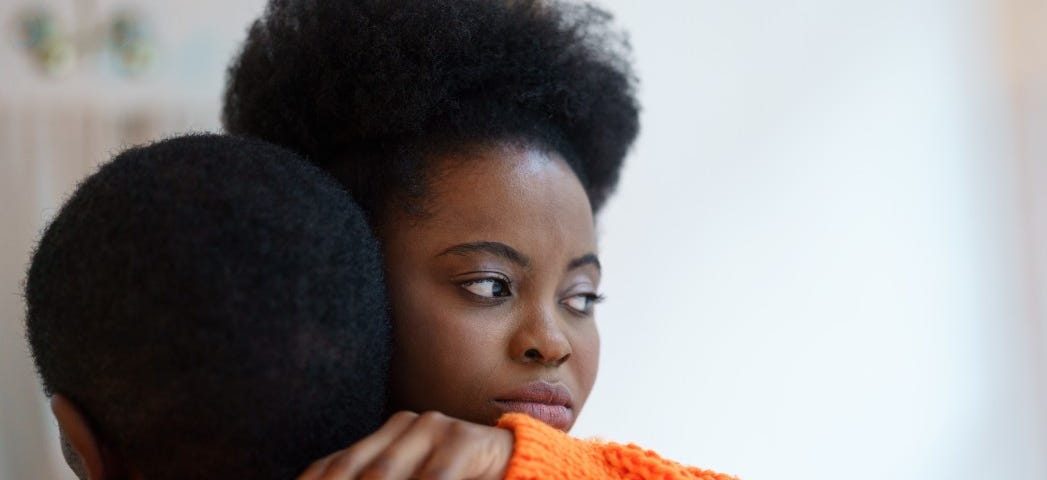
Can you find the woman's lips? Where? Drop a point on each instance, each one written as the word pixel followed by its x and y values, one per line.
pixel 549 402
pixel 557 416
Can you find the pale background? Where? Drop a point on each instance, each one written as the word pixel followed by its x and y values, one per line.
pixel 827 258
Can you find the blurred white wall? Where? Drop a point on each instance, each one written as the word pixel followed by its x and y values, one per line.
pixel 815 264
pixel 821 262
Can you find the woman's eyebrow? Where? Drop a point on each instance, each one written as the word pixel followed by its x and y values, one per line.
pixel 587 259
pixel 495 248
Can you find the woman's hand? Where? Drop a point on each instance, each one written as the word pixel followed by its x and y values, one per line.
pixel 427 446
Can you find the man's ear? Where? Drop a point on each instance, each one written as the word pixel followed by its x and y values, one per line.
pixel 88 453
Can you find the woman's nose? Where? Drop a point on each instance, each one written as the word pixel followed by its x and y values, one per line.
pixel 541 340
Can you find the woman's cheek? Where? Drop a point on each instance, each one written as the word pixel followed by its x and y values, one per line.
pixel 587 352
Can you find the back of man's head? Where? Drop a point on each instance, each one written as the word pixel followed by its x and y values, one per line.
pixel 214 306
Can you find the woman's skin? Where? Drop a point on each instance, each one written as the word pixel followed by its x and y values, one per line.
pixel 492 289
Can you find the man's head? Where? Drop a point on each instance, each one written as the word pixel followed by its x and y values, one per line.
pixel 209 307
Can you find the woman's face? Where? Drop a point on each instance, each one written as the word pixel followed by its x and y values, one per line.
pixel 492 290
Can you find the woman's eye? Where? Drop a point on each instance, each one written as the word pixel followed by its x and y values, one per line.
pixel 582 303
pixel 488 287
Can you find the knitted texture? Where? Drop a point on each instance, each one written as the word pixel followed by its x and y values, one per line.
pixel 543 452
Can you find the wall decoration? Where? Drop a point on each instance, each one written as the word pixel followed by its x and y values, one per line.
pixel 125 38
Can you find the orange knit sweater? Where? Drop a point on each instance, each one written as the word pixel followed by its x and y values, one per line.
pixel 543 452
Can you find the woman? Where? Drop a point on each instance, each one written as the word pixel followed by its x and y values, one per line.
pixel 480 137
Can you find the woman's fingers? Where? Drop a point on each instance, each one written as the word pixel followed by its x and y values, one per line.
pixel 429 446
pixel 403 457
pixel 347 463
pixel 472 452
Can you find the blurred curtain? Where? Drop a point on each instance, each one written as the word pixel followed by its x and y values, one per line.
pixel 1024 62
pixel 56 126
pixel 46 147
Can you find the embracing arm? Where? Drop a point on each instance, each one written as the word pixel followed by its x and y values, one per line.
pixel 433 445
pixel 543 452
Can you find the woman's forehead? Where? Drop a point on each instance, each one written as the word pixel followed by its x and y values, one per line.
pixel 512 182
pixel 511 176
pixel 517 196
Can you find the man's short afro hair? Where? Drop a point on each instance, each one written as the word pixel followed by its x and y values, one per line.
pixel 215 306
pixel 364 88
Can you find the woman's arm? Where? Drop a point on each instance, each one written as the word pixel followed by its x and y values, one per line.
pixel 433 445
pixel 543 452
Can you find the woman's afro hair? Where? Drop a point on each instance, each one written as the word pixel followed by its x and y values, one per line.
pixel 368 88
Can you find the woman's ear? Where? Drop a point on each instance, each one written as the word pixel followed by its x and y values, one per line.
pixel 81 447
